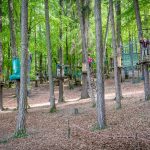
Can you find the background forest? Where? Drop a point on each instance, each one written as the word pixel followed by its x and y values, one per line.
pixel 71 38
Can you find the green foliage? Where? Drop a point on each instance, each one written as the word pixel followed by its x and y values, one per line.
pixel 71 30
pixel 4 141
pixel 20 134
pixel 53 110
pixel 96 127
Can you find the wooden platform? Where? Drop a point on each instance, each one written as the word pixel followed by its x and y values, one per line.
pixel 143 62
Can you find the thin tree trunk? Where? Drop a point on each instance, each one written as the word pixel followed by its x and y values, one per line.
pixel 67 54
pixel 106 34
pixel 138 18
pixel 116 71
pixel 13 43
pixel 35 53
pixel 51 85
pixel 1 59
pixel 146 82
pixel 100 70
pixel 84 23
pixel 119 39
pixel 131 55
pixel 83 28
pixel 21 119
pixel 140 35
pixel 61 80
pixel 41 68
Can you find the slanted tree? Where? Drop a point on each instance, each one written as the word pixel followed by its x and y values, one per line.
pixel 140 36
pixel 1 57
pixel 116 71
pixel 51 84
pixel 13 43
pixel 61 80
pixel 99 67
pixel 21 118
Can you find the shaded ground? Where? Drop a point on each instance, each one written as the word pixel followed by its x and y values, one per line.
pixel 127 129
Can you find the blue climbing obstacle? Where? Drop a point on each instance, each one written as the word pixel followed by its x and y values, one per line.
pixel 16 69
pixel 129 62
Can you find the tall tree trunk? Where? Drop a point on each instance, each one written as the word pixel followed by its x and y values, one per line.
pixel 41 68
pixel 21 119
pixel 118 30
pixel 84 30
pixel 67 54
pixel 116 71
pixel 61 80
pixel 140 35
pixel 8 65
pixel 106 34
pixel 131 55
pixel 99 67
pixel 35 53
pixel 146 82
pixel 51 85
pixel 1 58
pixel 138 18
pixel 13 43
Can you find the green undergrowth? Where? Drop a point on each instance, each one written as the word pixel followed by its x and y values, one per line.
pixel 20 134
pixel 96 127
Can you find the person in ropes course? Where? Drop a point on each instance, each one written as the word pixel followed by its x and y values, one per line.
pixel 145 47
pixel 90 60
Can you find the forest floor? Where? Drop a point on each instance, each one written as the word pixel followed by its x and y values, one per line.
pixel 127 128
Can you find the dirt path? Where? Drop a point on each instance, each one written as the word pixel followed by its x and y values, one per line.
pixel 128 128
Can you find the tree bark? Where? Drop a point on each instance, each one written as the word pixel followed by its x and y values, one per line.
pixel 0 16
pixel 8 65
pixel 51 84
pixel 41 68
pixel 118 30
pixel 138 18
pixel 146 82
pixel 131 55
pixel 84 33
pixel 61 80
pixel 1 59
pixel 13 43
pixel 116 71
pixel 106 34
pixel 67 54
pixel 100 70
pixel 21 119
pixel 35 55
pixel 140 35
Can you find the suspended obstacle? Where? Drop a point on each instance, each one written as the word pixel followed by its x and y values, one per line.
pixel 16 69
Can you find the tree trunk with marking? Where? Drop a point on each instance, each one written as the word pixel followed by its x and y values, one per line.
pixel 116 71
pixel 61 80
pixel 51 84
pixel 21 118
pixel 99 67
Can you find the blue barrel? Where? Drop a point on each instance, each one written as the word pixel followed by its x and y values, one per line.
pixel 16 69
pixel 16 65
